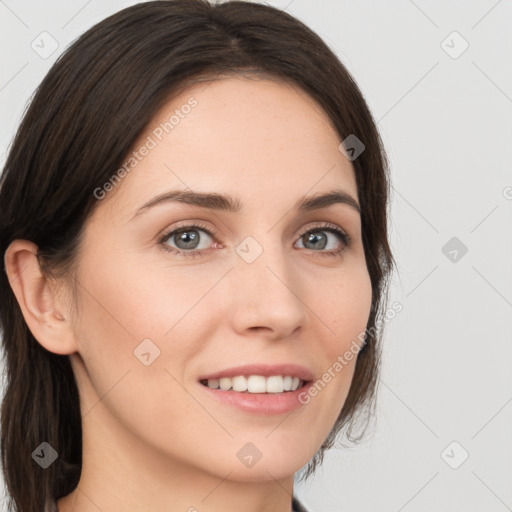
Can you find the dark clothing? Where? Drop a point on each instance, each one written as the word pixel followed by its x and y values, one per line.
pixel 296 506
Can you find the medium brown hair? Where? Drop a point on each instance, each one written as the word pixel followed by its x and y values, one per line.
pixel 91 107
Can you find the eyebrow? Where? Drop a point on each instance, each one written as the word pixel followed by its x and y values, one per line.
pixel 228 203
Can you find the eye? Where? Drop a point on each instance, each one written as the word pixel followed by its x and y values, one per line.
pixel 317 239
pixel 187 240
pixel 193 240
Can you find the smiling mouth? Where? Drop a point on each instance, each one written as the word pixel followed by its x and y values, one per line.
pixel 256 384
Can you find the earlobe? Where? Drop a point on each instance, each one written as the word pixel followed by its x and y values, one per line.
pixel 37 297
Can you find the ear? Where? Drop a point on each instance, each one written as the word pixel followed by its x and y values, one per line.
pixel 46 317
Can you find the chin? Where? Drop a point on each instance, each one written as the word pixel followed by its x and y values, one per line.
pixel 263 472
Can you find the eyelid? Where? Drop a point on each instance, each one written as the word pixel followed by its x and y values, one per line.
pixel 188 224
pixel 323 225
pixel 192 224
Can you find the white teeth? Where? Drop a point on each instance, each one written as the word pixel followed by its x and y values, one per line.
pixel 256 383
pixel 275 384
pixel 225 383
pixel 239 383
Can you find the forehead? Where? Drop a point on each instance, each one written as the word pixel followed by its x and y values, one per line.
pixel 258 138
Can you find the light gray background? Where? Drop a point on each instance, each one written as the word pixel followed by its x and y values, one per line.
pixel 446 120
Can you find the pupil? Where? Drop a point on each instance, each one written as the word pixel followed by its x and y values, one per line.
pixel 314 238
pixel 188 238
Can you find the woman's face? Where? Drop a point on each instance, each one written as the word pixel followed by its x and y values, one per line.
pixel 248 287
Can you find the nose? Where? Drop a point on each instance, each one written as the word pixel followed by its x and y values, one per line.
pixel 266 296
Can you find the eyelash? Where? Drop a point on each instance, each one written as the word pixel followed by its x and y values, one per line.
pixel 331 228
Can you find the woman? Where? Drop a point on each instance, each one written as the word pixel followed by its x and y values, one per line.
pixel 193 223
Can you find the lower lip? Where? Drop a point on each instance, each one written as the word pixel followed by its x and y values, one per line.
pixel 261 403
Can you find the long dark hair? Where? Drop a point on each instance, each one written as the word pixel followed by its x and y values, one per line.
pixel 95 101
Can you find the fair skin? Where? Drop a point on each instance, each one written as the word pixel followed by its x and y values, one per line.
pixel 153 437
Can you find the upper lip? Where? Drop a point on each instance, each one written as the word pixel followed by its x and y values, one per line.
pixel 266 370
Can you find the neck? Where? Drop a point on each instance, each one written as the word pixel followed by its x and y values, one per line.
pixel 119 474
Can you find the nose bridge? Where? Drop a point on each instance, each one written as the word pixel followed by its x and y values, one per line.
pixel 266 287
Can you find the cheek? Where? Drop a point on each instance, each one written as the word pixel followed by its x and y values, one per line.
pixel 347 308
pixel 121 312
pixel 128 302
pixel 126 315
